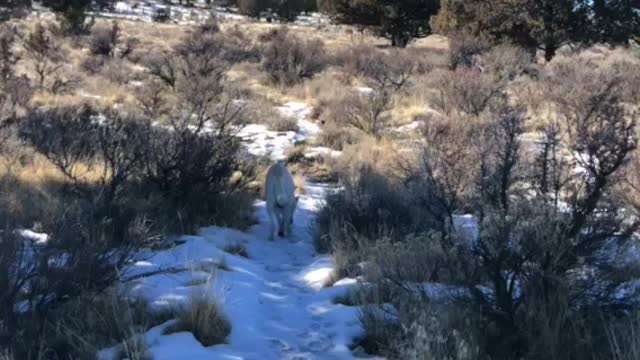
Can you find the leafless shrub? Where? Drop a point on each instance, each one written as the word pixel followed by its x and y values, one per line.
pixel 417 259
pixel 15 92
pixel 265 112
pixel 163 67
pixel 289 60
pixel 210 25
pixel 547 317
pixel 369 208
pixel 61 85
pixel 153 99
pixel 238 47
pixel 88 324
pixel 505 62
pixel 631 81
pixel 296 154
pixel 104 40
pixel 93 64
pixel 283 123
pixel 442 175
pixel 367 112
pixel 200 60
pixel 45 54
pixel 273 34
pixel 467 91
pixel 116 71
pixel 107 41
pixel 86 246
pixel 183 165
pixel 463 47
pixel 355 60
pixel 426 59
pixel 74 140
pixel 421 327
pixel 335 136
pixel 8 56
pixel 15 95
pixel 382 71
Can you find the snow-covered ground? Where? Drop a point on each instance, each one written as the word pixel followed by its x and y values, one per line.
pixel 263 142
pixel 275 299
pixel 183 15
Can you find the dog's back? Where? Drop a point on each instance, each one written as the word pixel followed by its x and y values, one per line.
pixel 279 187
pixel 279 193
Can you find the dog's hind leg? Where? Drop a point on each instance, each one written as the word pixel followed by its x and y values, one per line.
pixel 273 222
pixel 281 226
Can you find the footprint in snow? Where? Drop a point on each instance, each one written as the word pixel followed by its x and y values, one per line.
pixel 315 341
pixel 280 345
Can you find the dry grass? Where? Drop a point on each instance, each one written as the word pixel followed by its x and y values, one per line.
pixel 320 90
pixel 38 170
pixel 134 348
pixel 406 107
pixel 203 318
pixel 384 157
pixel 236 248
pixel 155 36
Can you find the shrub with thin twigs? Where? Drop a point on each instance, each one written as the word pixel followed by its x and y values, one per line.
pixel 287 59
pixel 388 71
pixel 463 47
pixel 466 91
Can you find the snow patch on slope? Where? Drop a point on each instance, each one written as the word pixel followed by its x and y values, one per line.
pixel 261 141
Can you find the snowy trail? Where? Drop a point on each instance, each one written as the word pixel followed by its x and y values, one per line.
pixel 275 299
pixel 295 317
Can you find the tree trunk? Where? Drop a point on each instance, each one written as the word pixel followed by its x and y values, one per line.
pixel 549 52
pixel 399 40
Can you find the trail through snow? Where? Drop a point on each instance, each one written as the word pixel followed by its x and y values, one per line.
pixel 275 299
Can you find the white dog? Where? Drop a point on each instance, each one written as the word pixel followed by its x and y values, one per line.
pixel 279 191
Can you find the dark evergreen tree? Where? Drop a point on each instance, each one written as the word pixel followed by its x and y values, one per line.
pixel 288 10
pixel 71 14
pixel 534 24
pixel 252 8
pixel 397 20
pixel 616 21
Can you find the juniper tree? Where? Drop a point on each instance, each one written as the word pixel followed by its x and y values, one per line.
pixel 399 21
